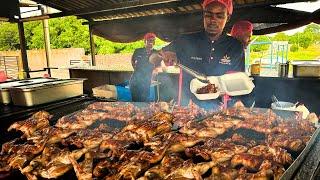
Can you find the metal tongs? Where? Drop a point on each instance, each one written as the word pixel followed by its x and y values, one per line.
pixel 201 77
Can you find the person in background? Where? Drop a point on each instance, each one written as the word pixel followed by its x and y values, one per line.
pixel 242 30
pixel 141 78
pixel 210 51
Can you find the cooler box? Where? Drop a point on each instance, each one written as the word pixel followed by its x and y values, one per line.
pixel 120 93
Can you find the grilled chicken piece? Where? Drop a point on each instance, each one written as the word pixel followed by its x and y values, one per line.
pixel 54 135
pixel 189 170
pixel 259 150
pixel 238 139
pixel 4 166
pixel 58 134
pixel 177 142
pixel 128 136
pixel 88 138
pixel 55 170
pixel 158 117
pixel 10 146
pixel 106 167
pixel 153 156
pixel 281 156
pixel 209 132
pixel 286 142
pixel 79 120
pixel 130 170
pixel 261 175
pixel 260 126
pixel 122 111
pixel 221 122
pixel 216 150
pixel 59 164
pixel 249 161
pixel 48 153
pixel 222 155
pixel 183 115
pixel 192 127
pixel 63 156
pixel 19 160
pixel 276 154
pixel 84 169
pixel 205 128
pixel 168 164
pixel 158 124
pixel 223 173
pixel 16 147
pixel 37 121
pixel 116 148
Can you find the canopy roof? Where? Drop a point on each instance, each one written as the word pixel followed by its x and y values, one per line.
pixel 129 20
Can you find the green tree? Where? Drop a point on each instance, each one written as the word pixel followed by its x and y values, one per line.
pixel 65 32
pixel 261 43
pixel 280 37
pixel 9 37
pixel 305 39
pixel 69 32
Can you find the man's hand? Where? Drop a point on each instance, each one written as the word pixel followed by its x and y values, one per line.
pixel 155 58
pixel 169 57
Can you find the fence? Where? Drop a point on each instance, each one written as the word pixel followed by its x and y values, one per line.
pixel 10 64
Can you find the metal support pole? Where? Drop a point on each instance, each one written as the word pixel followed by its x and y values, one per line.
pixel 92 46
pixel 23 49
pixel 46 33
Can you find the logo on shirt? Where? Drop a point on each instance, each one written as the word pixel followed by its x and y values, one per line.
pixel 196 58
pixel 225 60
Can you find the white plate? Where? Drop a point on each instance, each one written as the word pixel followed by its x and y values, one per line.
pixel 236 84
pixel 195 84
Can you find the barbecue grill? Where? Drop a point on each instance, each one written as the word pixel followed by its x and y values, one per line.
pixel 305 164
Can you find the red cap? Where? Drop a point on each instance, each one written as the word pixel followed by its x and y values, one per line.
pixel 149 36
pixel 226 3
pixel 241 27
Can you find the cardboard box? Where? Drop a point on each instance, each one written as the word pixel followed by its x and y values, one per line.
pixel 105 91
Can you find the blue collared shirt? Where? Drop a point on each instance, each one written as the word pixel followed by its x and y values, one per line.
pixel 213 58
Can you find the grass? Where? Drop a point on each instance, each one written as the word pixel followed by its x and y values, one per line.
pixel 311 53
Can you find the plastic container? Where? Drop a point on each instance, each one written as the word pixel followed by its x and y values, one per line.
pixel 195 84
pixel 234 84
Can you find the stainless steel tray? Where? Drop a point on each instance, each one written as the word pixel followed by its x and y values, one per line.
pixel 35 94
pixel 5 97
pixel 306 68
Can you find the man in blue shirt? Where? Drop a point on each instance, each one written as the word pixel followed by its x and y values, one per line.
pixel 210 52
pixel 141 78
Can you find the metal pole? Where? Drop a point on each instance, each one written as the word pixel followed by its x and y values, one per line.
pixel 92 46
pixel 46 38
pixel 23 49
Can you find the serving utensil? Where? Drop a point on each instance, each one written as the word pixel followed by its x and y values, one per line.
pixel 252 106
pixel 275 100
pixel 201 77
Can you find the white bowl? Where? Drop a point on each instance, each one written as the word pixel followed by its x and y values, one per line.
pixel 287 106
pixel 195 84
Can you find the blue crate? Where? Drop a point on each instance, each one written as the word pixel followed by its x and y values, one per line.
pixel 124 93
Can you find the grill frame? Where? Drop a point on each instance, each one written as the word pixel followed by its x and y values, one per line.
pixel 294 170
